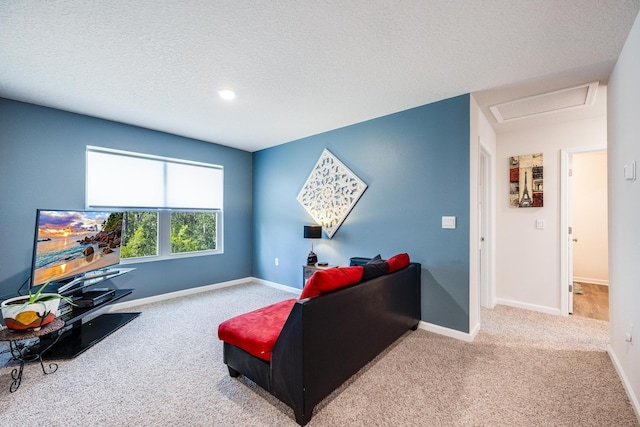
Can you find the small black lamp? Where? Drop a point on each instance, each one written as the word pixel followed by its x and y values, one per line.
pixel 312 232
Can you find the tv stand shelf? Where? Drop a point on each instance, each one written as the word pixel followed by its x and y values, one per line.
pixel 81 330
pixel 79 313
pixel 78 340
pixel 89 279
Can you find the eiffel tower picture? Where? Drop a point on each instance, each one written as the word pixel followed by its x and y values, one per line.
pixel 526 181
pixel 525 201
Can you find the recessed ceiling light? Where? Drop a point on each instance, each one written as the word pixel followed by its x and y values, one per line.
pixel 227 94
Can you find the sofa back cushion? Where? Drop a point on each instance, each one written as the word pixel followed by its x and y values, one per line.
pixel 398 262
pixel 328 280
pixel 373 269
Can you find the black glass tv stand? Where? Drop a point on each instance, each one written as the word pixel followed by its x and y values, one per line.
pixel 86 326
pixel 82 331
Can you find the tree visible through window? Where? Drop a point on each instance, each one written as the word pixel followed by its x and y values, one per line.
pixel 139 234
pixel 193 231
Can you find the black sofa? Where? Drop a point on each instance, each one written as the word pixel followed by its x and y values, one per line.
pixel 328 338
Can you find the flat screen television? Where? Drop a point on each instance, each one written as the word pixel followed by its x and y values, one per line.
pixel 69 244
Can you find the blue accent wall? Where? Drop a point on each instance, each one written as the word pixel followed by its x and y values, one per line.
pixel 416 166
pixel 42 165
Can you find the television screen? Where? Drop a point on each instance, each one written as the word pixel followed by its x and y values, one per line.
pixel 70 243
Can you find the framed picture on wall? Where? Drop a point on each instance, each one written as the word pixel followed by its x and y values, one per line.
pixel 526 181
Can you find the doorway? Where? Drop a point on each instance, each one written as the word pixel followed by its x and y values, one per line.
pixel 590 237
pixel 584 263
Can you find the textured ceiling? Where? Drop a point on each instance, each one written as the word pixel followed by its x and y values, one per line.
pixel 299 67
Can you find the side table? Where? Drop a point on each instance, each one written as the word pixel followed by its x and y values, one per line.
pixel 21 353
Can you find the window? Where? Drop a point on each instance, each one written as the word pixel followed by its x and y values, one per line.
pixel 172 207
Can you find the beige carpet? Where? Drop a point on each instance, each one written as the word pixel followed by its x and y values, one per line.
pixel 165 369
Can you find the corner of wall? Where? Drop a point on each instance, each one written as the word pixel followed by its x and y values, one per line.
pixel 474 261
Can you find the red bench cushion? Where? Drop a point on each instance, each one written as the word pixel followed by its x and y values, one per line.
pixel 257 331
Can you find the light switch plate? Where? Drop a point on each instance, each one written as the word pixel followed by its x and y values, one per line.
pixel 449 222
pixel 630 171
pixel 540 224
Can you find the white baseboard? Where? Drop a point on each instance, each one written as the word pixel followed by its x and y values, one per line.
pixel 474 332
pixel 451 333
pixel 170 295
pixel 277 285
pixel 590 280
pixel 527 306
pixel 635 403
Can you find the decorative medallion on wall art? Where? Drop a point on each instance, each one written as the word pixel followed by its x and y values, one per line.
pixel 525 181
pixel 330 192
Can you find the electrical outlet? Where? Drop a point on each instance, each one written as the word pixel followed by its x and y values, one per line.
pixel 628 335
pixel 277 262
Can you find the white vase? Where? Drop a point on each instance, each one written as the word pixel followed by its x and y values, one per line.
pixel 23 317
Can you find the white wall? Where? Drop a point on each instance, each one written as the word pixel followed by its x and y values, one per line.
pixel 624 212
pixel 590 252
pixel 528 268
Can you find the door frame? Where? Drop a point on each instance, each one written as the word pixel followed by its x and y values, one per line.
pixel 566 154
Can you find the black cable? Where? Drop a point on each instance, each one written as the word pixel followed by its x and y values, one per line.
pixel 22 286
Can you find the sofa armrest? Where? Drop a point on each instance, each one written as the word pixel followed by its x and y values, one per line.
pixel 287 361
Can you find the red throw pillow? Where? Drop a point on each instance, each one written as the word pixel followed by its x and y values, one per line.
pixel 324 281
pixel 398 262
pixel 257 331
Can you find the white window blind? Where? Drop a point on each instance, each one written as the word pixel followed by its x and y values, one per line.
pixel 196 187
pixel 131 180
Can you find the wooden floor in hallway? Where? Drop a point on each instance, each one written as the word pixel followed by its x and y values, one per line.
pixel 593 303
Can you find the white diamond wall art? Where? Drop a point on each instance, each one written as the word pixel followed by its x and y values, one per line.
pixel 330 192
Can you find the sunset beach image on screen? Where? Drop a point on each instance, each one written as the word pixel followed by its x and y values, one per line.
pixel 69 243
